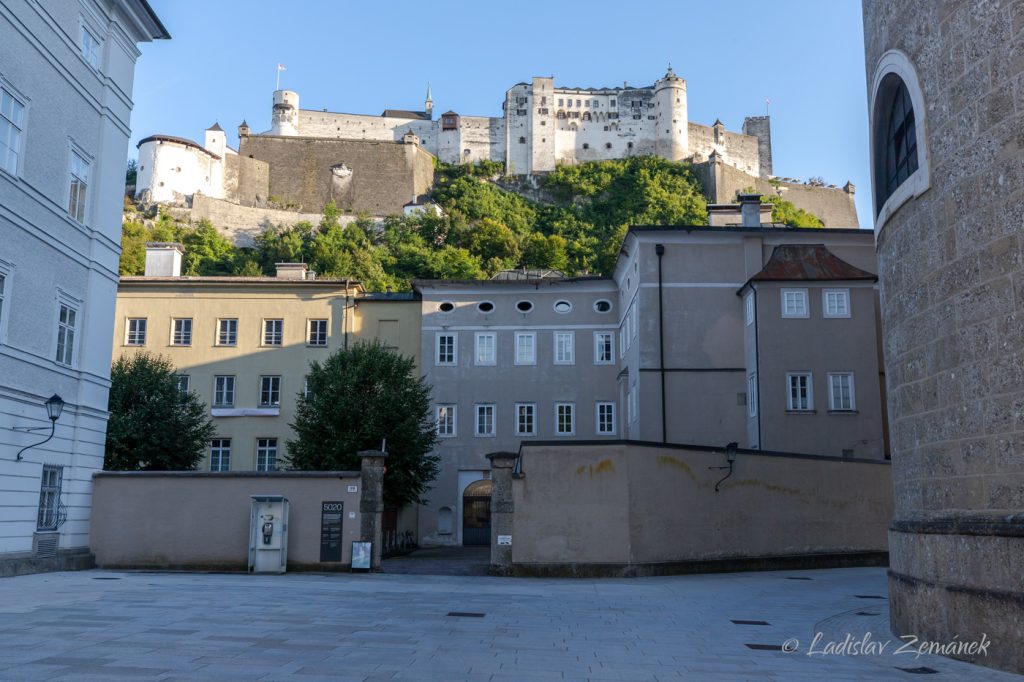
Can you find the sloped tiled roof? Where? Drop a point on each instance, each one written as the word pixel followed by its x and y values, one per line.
pixel 808 262
pixel 405 113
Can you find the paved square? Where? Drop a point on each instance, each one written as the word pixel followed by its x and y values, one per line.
pixel 102 625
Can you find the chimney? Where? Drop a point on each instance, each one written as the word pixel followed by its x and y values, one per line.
pixel 163 259
pixel 750 210
pixel 291 270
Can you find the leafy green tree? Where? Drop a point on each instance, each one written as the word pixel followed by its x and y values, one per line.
pixel 153 425
pixel 545 252
pixel 133 248
pixel 207 251
pixel 132 172
pixel 786 212
pixel 358 398
pixel 492 242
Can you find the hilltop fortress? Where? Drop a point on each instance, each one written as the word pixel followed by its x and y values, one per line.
pixel 383 164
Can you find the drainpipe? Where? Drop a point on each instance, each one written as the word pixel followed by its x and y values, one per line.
pixel 660 250
pixel 757 368
pixel 344 316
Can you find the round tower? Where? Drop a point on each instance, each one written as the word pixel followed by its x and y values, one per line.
pixel 285 117
pixel 671 139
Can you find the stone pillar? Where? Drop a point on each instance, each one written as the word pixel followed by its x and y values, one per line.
pixel 371 502
pixel 502 508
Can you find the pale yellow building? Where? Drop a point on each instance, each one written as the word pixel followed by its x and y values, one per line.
pixel 244 344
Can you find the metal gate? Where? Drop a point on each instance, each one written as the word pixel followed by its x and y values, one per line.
pixel 476 513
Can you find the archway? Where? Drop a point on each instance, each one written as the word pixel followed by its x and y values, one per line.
pixel 476 513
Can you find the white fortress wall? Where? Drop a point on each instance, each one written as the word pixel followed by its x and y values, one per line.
pixel 365 127
pixel 172 171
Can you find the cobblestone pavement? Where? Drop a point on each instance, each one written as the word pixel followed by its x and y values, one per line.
pixel 441 561
pixel 100 625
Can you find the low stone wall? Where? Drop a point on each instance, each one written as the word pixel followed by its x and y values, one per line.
pixel 243 223
pixel 200 520
pixel 630 508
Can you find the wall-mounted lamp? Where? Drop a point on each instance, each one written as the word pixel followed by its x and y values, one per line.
pixel 730 456
pixel 54 406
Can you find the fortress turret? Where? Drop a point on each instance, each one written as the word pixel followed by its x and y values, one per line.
pixel 285 117
pixel 215 140
pixel 671 139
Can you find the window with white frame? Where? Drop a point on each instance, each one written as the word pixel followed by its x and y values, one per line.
pixel 526 348
pixel 634 323
pixel 446 426
pixel 446 348
pixel 317 333
pixel 565 419
pixel 748 304
pixel 794 303
pixel 526 419
pixel 484 420
pixel 49 514
pixel 840 392
pixel 564 348
pixel 183 383
pixel 799 396
pixel 181 331
pixel 307 392
pixel 220 454
pixel 90 48
pixel 223 391
pixel 266 454
pixel 632 407
pixel 227 332
pixel 270 391
pixel 79 171
pixel 603 344
pixel 12 122
pixel 273 332
pixel 67 326
pixel 752 395
pixel 835 302
pixel 485 348
pixel 136 331
pixel 605 419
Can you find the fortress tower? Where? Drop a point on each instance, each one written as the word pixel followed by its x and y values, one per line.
pixel 671 139
pixel 285 119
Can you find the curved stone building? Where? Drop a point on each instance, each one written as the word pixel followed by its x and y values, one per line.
pixel 947 155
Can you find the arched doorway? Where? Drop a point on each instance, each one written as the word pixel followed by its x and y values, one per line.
pixel 476 513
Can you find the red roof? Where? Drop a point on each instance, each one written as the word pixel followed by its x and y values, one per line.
pixel 794 262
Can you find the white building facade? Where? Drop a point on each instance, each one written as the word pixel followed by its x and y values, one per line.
pixel 66 75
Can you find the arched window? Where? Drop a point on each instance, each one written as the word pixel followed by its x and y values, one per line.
pixel 900 142
pixel 586 116
pixel 560 114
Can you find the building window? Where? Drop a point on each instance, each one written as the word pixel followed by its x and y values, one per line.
pixel 522 140
pixel 485 348
pixel 446 421
pixel 67 324
pixel 183 383
pixel 181 331
pixel 317 333
pixel 446 349
pixel 794 303
pixel 606 419
pixel 602 305
pixel 484 420
pixel 586 146
pixel 49 517
pixel 220 454
pixel 266 454
pixel 270 391
pixel 526 348
pixel 603 345
pixel 900 153
pixel 273 332
pixel 799 394
pixel 840 392
pixel 565 419
pixel 90 48
pixel 227 332
pixel 307 392
pixel 79 172
pixel 836 302
pixel 526 419
pixel 748 304
pixel 752 395
pixel 564 348
pixel 12 117
pixel 632 407
pixel 563 307
pixel 136 335
pixel 223 391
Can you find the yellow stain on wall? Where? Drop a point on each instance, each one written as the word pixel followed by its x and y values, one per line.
pixel 679 464
pixel 605 466
pixel 767 486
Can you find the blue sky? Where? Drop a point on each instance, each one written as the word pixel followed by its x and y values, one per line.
pixel 360 57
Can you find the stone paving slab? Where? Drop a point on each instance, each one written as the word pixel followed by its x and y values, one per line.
pixel 343 627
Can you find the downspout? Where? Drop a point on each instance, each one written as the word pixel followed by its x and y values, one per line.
pixel 344 316
pixel 757 368
pixel 660 250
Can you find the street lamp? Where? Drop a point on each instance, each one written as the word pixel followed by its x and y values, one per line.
pixel 54 406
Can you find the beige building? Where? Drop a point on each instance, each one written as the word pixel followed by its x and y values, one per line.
pixel 244 344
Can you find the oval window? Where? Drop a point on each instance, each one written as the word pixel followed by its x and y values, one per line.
pixel 562 306
pixel 603 306
pixel 485 306
pixel 524 306
pixel 446 307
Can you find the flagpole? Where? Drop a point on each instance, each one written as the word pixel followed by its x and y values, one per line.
pixel 278 77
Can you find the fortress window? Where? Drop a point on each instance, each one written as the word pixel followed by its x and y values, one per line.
pixel 629 145
pixel 522 140
pixel 612 104
pixel 586 146
pixel 578 103
pixel 637 117
pixel 568 103
pixel 606 128
pixel 613 114
pixel 607 145
pixel 560 114
pixel 561 102
pixel 900 151
pixel 586 115
pixel 586 103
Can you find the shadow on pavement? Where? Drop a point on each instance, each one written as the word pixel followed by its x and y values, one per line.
pixel 440 561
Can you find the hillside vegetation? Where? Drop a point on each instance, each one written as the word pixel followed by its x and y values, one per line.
pixel 577 228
